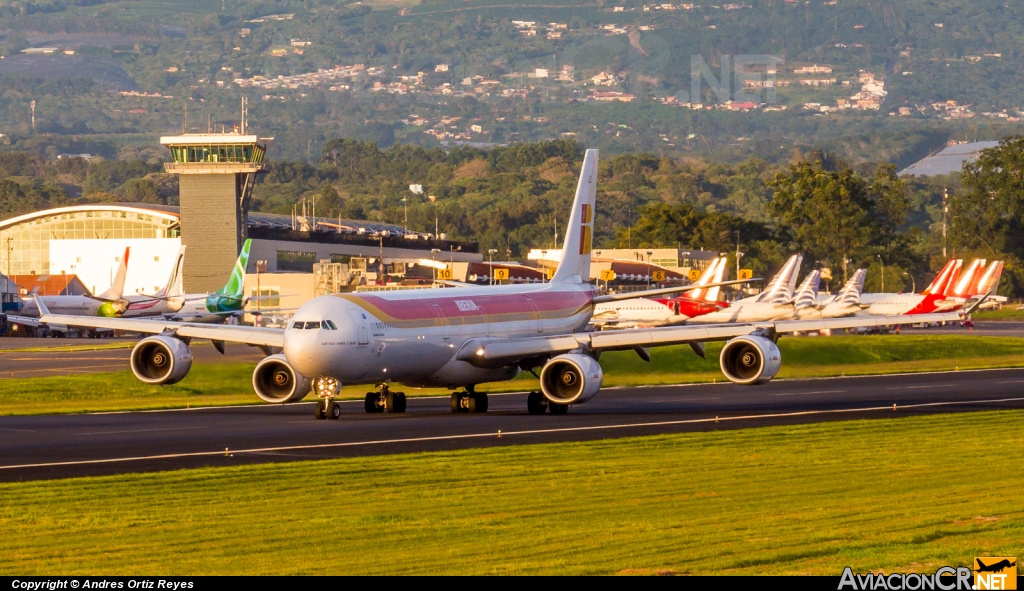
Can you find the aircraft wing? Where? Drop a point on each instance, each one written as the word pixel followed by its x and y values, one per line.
pixel 250 335
pixel 496 352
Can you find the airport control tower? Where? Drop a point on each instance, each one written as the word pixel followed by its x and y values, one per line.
pixel 216 173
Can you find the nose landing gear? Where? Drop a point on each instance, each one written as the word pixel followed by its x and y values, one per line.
pixel 469 401
pixel 326 389
pixel 385 399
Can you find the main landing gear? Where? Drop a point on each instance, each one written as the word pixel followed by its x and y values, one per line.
pixel 536 404
pixel 385 399
pixel 469 401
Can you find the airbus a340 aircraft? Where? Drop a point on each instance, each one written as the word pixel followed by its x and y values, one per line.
pixel 463 336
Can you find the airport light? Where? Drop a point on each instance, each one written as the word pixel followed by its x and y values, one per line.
pixel 433 253
pixel 649 253
pixel 490 253
pixel 883 271
pixel 913 284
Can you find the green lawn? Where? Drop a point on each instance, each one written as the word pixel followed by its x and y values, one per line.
pixel 1009 312
pixel 891 494
pixel 219 384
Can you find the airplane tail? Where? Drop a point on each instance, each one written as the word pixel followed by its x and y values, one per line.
pixel 712 294
pixel 779 289
pixel 960 287
pixel 116 290
pixel 174 285
pixel 807 295
pixel 706 277
pixel 850 294
pixel 946 276
pixel 235 286
pixel 575 264
pixel 988 281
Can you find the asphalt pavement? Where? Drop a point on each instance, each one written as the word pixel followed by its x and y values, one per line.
pixel 59 446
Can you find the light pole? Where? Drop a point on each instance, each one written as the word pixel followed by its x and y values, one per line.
pixel 490 271
pixel 913 284
pixel 433 254
pixel 882 264
pixel 405 223
pixel 649 253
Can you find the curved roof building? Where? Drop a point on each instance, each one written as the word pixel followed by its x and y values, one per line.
pixel 88 240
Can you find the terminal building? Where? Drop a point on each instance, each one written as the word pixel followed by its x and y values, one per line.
pixel 88 240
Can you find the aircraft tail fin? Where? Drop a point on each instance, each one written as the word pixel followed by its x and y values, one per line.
pixel 174 285
pixel 807 295
pixel 961 287
pixel 236 283
pixel 713 293
pixel 850 294
pixel 943 279
pixel 988 281
pixel 705 278
pixel 116 290
pixel 779 290
pixel 575 264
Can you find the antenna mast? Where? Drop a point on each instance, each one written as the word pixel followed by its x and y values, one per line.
pixel 245 113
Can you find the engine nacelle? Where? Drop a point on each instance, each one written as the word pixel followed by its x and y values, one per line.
pixel 277 383
pixel 571 379
pixel 161 360
pixel 750 360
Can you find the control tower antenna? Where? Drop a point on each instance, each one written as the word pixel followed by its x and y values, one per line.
pixel 245 113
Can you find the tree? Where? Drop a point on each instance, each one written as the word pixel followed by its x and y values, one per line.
pixel 987 215
pixel 826 213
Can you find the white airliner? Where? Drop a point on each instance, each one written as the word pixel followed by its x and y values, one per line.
pixel 463 336
pixel 109 303
pixel 662 312
pixel 774 303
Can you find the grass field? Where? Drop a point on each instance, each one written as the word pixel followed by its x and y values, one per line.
pixel 219 384
pixel 892 494
pixel 1009 312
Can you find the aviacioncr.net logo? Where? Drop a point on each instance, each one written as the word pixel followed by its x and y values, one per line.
pixel 946 578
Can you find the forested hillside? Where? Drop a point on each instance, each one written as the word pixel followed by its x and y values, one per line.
pixel 445 72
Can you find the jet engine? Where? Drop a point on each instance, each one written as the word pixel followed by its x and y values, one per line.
pixel 750 360
pixel 277 383
pixel 161 360
pixel 571 379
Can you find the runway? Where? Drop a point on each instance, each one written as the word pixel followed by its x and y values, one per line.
pixel 58 446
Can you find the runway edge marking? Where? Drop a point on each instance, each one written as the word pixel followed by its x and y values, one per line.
pixel 258 450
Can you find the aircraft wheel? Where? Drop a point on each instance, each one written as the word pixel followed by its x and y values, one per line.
pixel 460 402
pixel 396 402
pixel 335 411
pixel 370 403
pixel 319 412
pixel 558 409
pixel 477 402
pixel 536 404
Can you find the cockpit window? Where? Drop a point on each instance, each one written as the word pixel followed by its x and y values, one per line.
pixel 312 325
pixel 329 325
pixel 298 325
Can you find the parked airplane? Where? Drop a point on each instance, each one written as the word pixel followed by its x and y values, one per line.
pixel 464 336
pixel 664 311
pixel 845 303
pixel 108 304
pixel 945 293
pixel 168 299
pixel 775 302
pixel 227 301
